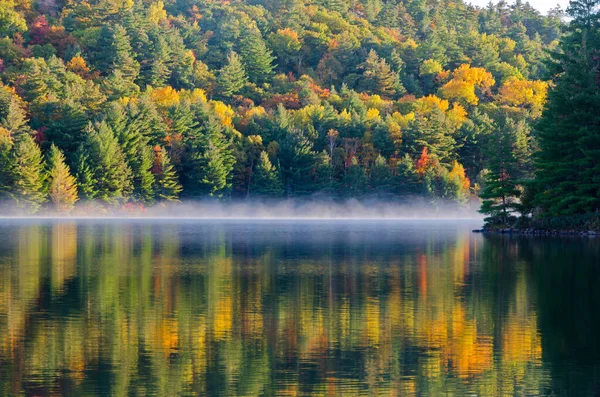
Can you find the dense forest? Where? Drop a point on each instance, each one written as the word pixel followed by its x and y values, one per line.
pixel 134 102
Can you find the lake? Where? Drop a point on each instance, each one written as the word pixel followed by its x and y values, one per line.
pixel 274 308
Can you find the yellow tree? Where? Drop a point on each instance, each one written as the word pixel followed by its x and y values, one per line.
pixel 467 83
pixel 524 94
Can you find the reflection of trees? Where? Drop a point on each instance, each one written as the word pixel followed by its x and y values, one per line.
pixel 139 309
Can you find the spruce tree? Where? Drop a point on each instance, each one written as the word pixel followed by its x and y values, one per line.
pixel 266 181
pixel 29 175
pixel 62 187
pixel 568 163
pixel 232 77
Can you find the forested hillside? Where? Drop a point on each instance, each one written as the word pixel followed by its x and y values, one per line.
pixel 140 101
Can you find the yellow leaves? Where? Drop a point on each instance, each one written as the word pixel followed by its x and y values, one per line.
pixel 403 120
pixel 376 102
pixel 345 115
pixel 168 96
pixel 373 114
pixel 165 97
pixel 524 94
pixel 430 66
pixel 255 140
pixel 460 90
pixel 308 113
pixel 458 172
pixel 410 44
pixel 457 115
pixel 427 104
pixel 197 95
pixel 224 112
pixel 465 81
pixel 258 111
pixel 156 12
pixel 292 34
pixel 78 65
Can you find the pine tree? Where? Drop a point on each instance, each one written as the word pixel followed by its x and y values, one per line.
pixel 266 181
pixel 232 77
pixel 84 175
pixel 62 187
pixel 123 59
pixel 568 163
pixel 209 160
pixel 29 175
pixel 106 161
pixel 166 185
pixel 501 193
pixel 257 58
pixel 143 179
pixel 378 77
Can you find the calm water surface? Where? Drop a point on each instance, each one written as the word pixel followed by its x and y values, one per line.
pixel 166 308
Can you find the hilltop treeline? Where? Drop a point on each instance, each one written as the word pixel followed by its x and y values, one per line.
pixel 143 101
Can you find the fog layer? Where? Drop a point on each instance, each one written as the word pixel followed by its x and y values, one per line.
pixel 268 210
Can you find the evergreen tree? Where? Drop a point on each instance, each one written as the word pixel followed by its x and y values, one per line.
pixel 84 174
pixel 143 178
pixel 500 194
pixel 568 163
pixel 232 77
pixel 257 58
pixel 110 173
pixel 62 187
pixel 378 76
pixel 209 162
pixel 265 180
pixel 166 185
pixel 29 176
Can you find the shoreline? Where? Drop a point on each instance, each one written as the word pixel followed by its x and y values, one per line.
pixel 538 232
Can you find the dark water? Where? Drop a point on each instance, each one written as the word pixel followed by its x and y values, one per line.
pixel 280 309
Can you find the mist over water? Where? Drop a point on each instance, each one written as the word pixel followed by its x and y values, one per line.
pixel 416 208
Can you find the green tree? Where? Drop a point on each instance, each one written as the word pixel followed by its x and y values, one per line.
pixel 209 160
pixel 265 180
pixel 232 77
pixel 11 21
pixel 108 169
pixel 29 176
pixel 257 58
pixel 62 187
pixel 500 194
pixel 381 176
pixel 378 77
pixel 568 163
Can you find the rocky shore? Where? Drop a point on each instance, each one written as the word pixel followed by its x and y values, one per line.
pixel 538 232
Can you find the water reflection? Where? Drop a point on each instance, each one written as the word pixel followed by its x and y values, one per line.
pixel 344 309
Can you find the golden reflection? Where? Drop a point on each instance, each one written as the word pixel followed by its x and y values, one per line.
pixel 163 317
